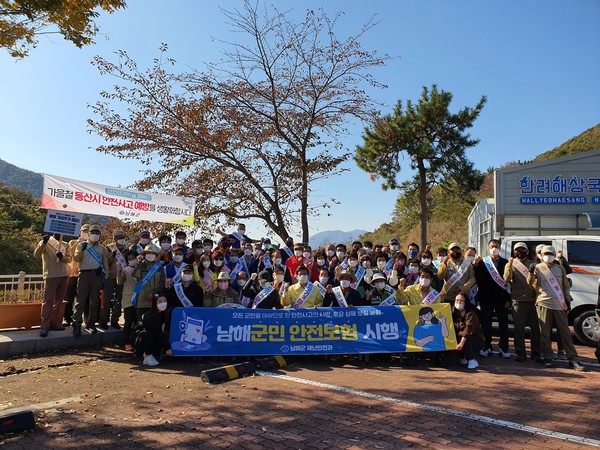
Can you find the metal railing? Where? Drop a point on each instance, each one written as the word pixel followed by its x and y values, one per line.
pixel 21 288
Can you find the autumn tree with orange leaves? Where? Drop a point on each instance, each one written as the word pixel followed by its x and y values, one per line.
pixel 248 136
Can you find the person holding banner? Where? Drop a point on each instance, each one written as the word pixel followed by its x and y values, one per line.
pixel 420 293
pixel 469 335
pixel 150 279
pixel 56 257
pixel 493 296
pixel 523 302
pixel 457 274
pixel 113 292
pixel 224 292
pixel 553 290
pixel 93 263
pixel 303 294
pixel 261 292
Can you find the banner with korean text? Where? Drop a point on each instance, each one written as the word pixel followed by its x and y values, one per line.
pixel 365 329
pixel 64 194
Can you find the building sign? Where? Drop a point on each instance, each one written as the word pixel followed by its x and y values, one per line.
pixel 556 190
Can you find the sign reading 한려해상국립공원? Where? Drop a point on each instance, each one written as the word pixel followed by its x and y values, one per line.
pixel 564 185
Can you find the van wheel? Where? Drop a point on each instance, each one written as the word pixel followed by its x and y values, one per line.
pixel 587 328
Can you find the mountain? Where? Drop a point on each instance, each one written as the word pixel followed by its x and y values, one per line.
pixel 584 142
pixel 323 238
pixel 25 180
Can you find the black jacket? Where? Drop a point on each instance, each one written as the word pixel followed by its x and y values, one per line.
pixel 487 289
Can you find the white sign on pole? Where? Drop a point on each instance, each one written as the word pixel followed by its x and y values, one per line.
pixel 66 223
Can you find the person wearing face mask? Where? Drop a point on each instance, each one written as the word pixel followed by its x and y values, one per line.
pixel 412 251
pixel 224 293
pixel 344 295
pixel 413 272
pixel 440 255
pixel 469 335
pixel 180 241
pixel 321 260
pixel 420 293
pixel 302 294
pixel 173 269
pixel 295 261
pixel 366 261
pixel 190 294
pixel 359 272
pixel 208 245
pixel 141 241
pixel 218 260
pixel 262 292
pixel 127 281
pixel 194 253
pixel 251 261
pixel 399 269
pixel 338 258
pixel 84 234
pixel 380 292
pixel 93 263
pixel 277 264
pixel 152 337
pixel 493 296
pixel 552 286
pixel 457 274
pixel 204 273
pixel 310 263
pixel 56 257
pixel 523 298
pixel 150 279
pixel 234 258
pixel 394 246
pixel 238 237
pixel 165 244
pixel 329 255
pixel 287 250
pixel 116 256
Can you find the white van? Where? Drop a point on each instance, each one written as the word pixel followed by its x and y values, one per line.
pixel 583 254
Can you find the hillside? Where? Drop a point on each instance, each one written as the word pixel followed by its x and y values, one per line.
pixel 584 142
pixel 23 179
pixel 334 236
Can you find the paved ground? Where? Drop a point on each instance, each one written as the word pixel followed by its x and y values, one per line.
pixel 101 397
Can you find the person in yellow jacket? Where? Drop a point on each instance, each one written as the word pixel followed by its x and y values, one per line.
pixel 295 297
pixel 420 292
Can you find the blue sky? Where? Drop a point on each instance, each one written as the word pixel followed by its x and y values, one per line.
pixel 536 61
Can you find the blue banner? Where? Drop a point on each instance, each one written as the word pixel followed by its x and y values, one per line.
pixel 386 329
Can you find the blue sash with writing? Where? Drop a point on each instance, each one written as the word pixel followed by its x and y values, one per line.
pixel 305 294
pixel 360 273
pixel 186 302
pixel 262 295
pixel 344 264
pixel 90 249
pixel 144 281
pixel 237 269
pixel 267 261
pixel 288 251
pixel 388 268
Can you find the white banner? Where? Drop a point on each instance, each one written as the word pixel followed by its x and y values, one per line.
pixel 64 194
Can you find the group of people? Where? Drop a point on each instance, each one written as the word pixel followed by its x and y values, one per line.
pixel 145 279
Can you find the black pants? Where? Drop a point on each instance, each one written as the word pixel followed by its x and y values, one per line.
pixel 488 307
pixel 471 347
pixel 148 344
pixel 70 298
pixel 129 314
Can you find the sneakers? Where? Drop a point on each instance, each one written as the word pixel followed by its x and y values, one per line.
pixel 472 364
pixel 487 352
pixel 463 361
pixel 521 357
pixel 561 355
pixel 150 360
pixel 577 366
pixel 91 328
pixel 547 363
pixel 504 354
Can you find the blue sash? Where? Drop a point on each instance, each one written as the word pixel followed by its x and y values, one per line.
pixel 144 281
pixel 262 295
pixel 288 251
pixel 267 261
pixel 97 258
pixel 388 267
pixel 344 264
pixel 237 269
pixel 360 273
pixel 436 263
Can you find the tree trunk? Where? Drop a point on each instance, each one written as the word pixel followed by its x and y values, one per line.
pixel 304 204
pixel 422 202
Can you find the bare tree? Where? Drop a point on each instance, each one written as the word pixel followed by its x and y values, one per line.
pixel 250 134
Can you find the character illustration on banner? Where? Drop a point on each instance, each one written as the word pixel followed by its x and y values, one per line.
pixel 193 335
pixel 429 333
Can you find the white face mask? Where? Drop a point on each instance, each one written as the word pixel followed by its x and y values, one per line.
pixel 85 235
pixel 320 262
pixel 340 255
pixel 150 257
pixel 181 242
pixel 199 251
pixel 187 277
pixel 413 270
pixel 306 255
pixel 177 258
pixel 248 252
pixel 206 264
pixel 241 282
pixel 548 258
pixel 303 279
pixel 242 231
pixel 144 241
pixel 460 306
pixel 207 248
pixel 379 285
pixel 470 259
pixel 133 263
pixel 280 278
pixel 121 241
pixel 277 261
pixel 257 253
pixel 161 306
pixel 365 264
pixel 298 252
pixel 425 261
pixel 94 237
pixel 394 248
pixel 265 284
pixel 494 251
pixel 424 282
pixel 440 258
pixel 218 263
pixel 353 263
pixel 330 253
pixel 165 245
pixel 381 265
pixel 345 284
